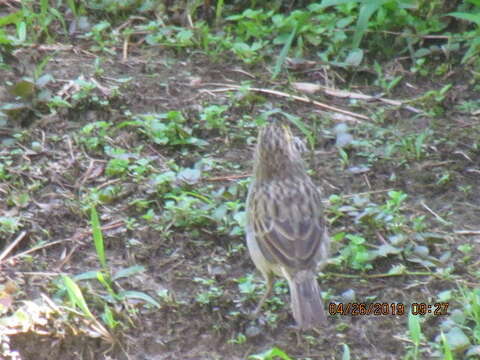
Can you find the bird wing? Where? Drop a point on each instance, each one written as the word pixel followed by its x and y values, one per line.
pixel 288 222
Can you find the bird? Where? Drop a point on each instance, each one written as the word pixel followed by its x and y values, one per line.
pixel 286 232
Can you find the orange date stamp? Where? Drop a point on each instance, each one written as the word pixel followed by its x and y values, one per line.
pixel 382 309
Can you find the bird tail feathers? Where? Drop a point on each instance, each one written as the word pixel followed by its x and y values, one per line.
pixel 307 305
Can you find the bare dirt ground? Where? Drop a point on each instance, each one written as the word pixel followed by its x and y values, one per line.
pixel 57 171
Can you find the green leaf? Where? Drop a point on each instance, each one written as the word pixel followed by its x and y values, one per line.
pixel 123 79
pixel 76 296
pixel 283 54
pixel 346 352
pixel 127 272
pixel 98 237
pixel 189 176
pixel 241 218
pixel 44 80
pixel 108 317
pixel 472 50
pixel 12 18
pixel 475 18
pixel 13 109
pixel 71 4
pixel 355 57
pixel 88 275
pixel 22 31
pixel 447 352
pixel 414 328
pixel 24 88
pixel 139 295
pixel 271 354
pixel 326 3
pixel 387 249
pixel 457 340
pixel 5 39
pixel 246 285
pixel 367 9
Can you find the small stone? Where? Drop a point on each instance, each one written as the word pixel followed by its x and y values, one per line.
pixel 252 331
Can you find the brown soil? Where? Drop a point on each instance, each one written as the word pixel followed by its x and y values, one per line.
pixel 57 175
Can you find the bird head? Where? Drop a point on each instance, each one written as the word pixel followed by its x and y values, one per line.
pixel 277 152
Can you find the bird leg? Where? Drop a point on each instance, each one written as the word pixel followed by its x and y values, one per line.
pixel 269 279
